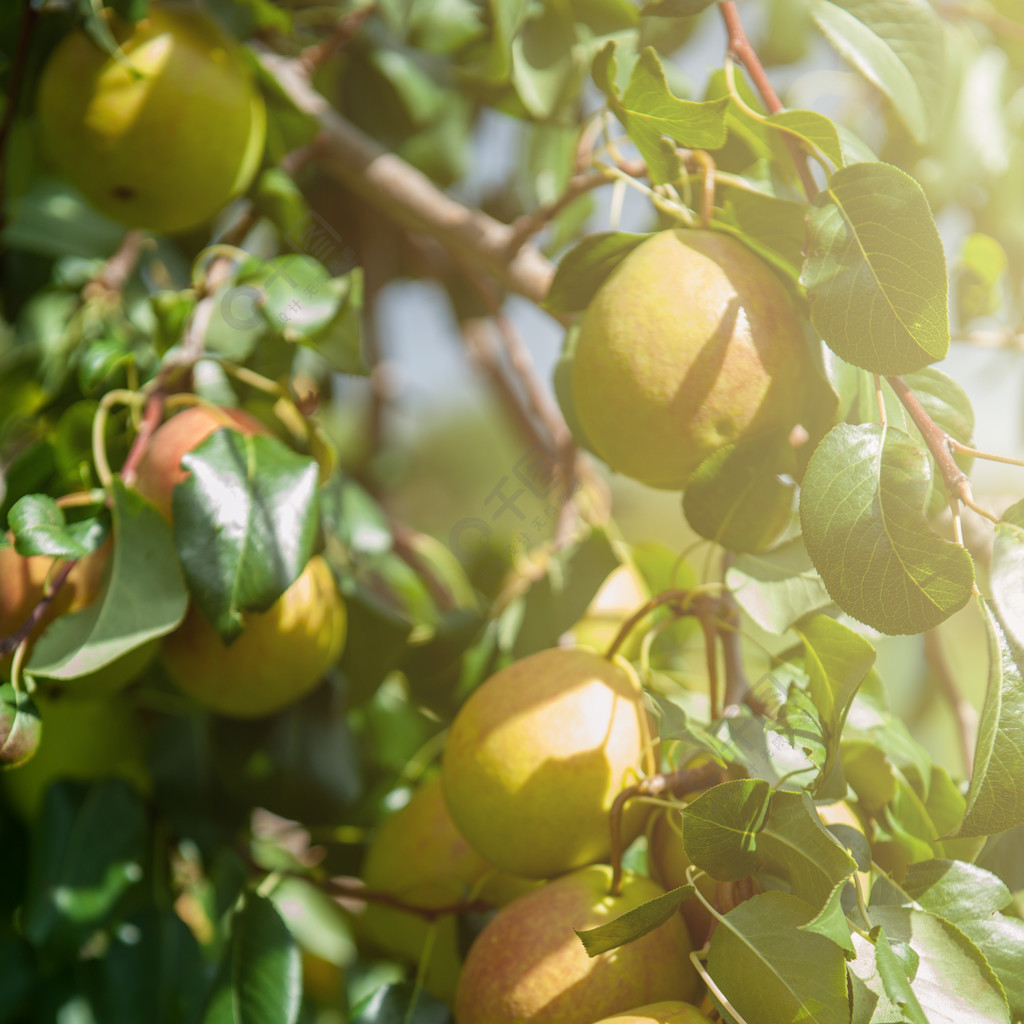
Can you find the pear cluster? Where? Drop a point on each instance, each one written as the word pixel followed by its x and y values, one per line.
pixel 518 819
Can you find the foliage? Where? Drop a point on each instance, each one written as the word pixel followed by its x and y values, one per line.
pixel 802 618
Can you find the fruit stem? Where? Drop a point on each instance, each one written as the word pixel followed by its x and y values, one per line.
pixel 677 600
pixel 9 643
pixel 741 48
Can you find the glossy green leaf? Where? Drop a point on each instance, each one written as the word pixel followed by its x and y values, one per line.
pixel 650 113
pixel 777 587
pixel 953 983
pixel 955 890
pixel 634 923
pixel 875 271
pixel 795 844
pixel 40 528
pixel 862 512
pixel 244 524
pixel 738 496
pixel 995 801
pixel 144 598
pixel 260 979
pixel 897 45
pixel 773 970
pixel 586 267
pixel 20 727
pixel 88 849
pixel 1001 940
pixel 831 921
pixel 721 826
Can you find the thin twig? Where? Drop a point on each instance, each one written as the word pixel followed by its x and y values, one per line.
pixel 744 52
pixel 9 643
pixel 319 53
pixel 112 279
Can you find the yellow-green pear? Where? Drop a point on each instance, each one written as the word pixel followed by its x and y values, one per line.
pixel 690 344
pixel 528 966
pixel 419 856
pixel 165 133
pixel 671 1011
pixel 537 755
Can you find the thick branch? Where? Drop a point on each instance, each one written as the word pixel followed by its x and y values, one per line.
pixel 407 196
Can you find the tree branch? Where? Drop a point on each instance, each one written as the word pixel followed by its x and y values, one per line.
pixel 405 194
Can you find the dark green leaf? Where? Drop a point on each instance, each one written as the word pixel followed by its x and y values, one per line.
pixel 88 849
pixel 995 801
pixel 144 599
pixel 720 828
pixel 586 267
pixel 862 512
pixel 876 271
pixel 634 923
pixel 772 969
pixel 40 528
pixel 260 979
pixel 244 524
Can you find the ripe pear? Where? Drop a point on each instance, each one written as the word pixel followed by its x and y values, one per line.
pixel 690 344
pixel 529 967
pixel 81 739
pixel 536 756
pixel 671 1011
pixel 163 136
pixel 281 655
pixel 419 856
pixel 160 470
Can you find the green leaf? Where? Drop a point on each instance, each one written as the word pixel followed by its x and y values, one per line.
pixel 245 521
pixel 896 980
pixel 20 727
pixel 983 264
pixel 339 341
pixel 876 271
pixel 260 979
pixel 1001 941
pixel 813 128
pixel 953 983
pixel 738 498
pixel 144 598
pixel 898 46
pixel 995 801
pixel 831 921
pixel 634 923
pixel 720 828
pixel 795 844
pixel 40 528
pixel 88 849
pixel 297 297
pixel 585 268
pixel 778 587
pixel 400 1004
pixel 862 513
pixel 650 113
pixel 772 969
pixel 558 599
pixel 675 8
pixel 542 60
pixel 774 228
pixel 836 660
pixel 955 890
pixel 1006 570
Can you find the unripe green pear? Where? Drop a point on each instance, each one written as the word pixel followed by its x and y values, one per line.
pixel 690 344
pixel 419 856
pixel 281 655
pixel 163 136
pixel 671 1011
pixel 528 966
pixel 537 755
pixel 83 740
